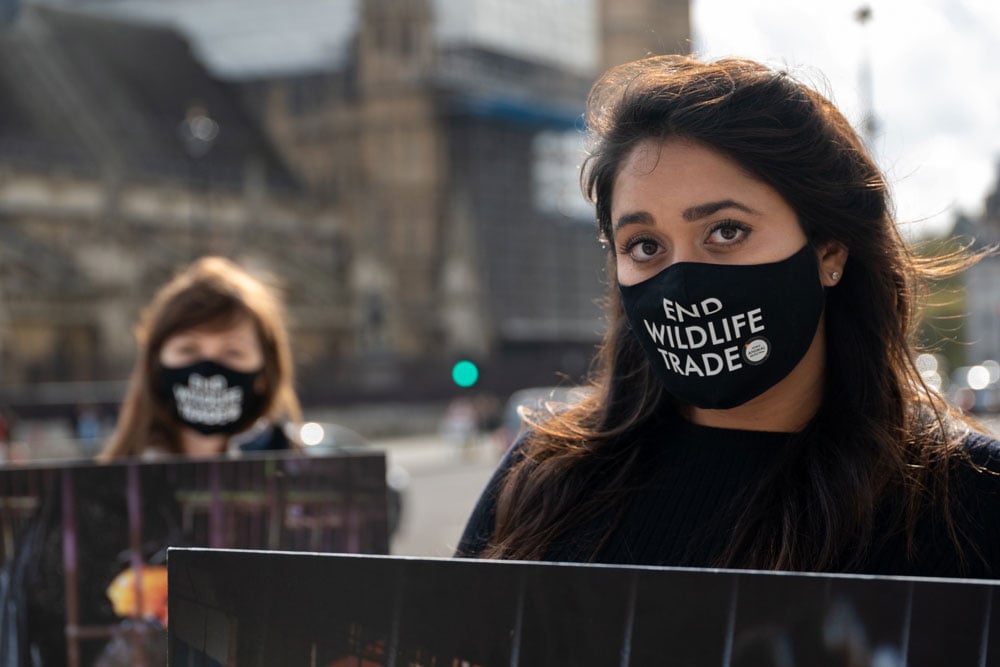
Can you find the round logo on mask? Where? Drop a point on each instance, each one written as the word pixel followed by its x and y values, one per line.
pixel 756 350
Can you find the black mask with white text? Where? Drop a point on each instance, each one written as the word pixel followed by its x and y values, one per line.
pixel 211 398
pixel 719 335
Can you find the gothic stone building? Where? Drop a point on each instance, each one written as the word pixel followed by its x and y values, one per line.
pixel 415 196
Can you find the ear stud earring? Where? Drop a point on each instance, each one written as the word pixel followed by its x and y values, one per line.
pixel 835 276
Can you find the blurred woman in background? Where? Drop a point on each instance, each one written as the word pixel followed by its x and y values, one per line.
pixel 214 369
pixel 213 374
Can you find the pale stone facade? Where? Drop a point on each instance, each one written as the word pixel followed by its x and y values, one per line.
pixel 75 277
pixel 632 29
pixel 393 194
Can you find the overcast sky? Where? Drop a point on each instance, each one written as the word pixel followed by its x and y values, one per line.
pixel 936 84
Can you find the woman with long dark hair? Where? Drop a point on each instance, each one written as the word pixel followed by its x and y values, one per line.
pixel 755 403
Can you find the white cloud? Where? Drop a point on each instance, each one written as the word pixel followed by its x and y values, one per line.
pixel 935 91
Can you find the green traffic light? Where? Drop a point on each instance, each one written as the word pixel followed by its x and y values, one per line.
pixel 465 373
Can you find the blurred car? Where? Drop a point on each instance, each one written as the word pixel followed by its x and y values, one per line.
pixel 320 438
pixel 976 389
pixel 531 399
pixel 323 439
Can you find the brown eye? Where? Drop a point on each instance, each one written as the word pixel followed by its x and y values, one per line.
pixel 728 232
pixel 642 250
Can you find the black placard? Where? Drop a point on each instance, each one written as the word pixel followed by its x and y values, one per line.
pixel 342 610
pixel 84 546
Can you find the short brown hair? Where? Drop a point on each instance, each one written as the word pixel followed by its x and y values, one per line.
pixel 213 291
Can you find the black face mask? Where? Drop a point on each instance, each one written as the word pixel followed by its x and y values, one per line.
pixel 211 398
pixel 719 335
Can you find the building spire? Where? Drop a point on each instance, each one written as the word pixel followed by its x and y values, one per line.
pixel 869 122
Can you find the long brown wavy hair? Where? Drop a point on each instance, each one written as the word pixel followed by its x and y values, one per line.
pixel 879 429
pixel 211 292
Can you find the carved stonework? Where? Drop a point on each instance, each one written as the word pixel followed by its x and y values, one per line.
pixel 393 192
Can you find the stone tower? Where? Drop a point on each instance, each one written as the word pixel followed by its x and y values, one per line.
pixel 632 29
pixel 396 210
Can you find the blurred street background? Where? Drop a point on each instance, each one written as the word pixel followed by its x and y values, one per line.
pixel 407 172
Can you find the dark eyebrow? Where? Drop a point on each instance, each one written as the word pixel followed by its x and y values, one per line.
pixel 704 210
pixel 691 214
pixel 635 218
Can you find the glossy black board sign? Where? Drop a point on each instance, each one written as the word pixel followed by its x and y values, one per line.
pixel 83 546
pixel 263 608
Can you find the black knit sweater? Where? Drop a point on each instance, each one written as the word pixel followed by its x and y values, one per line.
pixel 681 511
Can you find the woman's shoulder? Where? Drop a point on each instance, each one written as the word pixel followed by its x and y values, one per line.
pixel 977 481
pixel 983 450
pixel 978 496
pixel 516 452
pixel 264 437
